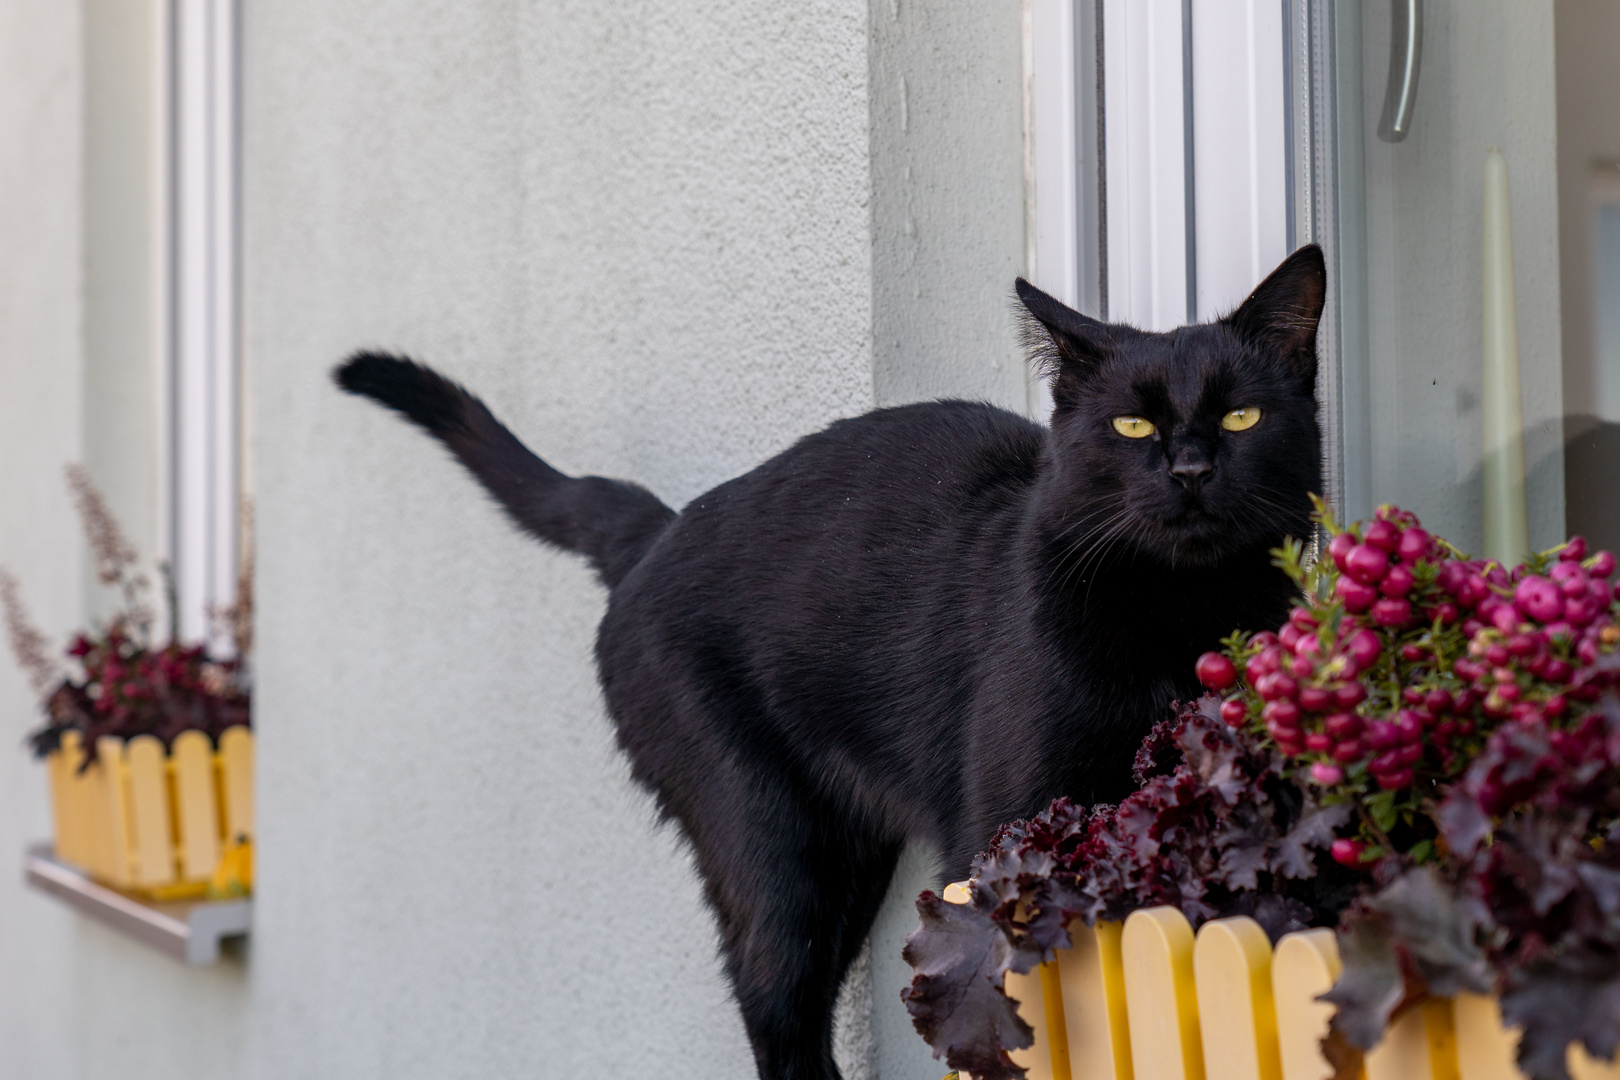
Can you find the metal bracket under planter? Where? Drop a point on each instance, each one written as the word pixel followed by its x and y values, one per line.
pixel 189 931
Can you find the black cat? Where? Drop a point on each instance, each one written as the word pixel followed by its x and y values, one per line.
pixel 925 621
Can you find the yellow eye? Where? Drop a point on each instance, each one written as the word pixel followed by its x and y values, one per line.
pixel 1133 427
pixel 1240 419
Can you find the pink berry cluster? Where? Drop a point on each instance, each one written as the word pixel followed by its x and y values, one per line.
pixel 1404 654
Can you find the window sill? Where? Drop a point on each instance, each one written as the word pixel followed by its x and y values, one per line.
pixel 190 932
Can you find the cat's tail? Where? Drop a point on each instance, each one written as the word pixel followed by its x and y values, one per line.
pixel 610 522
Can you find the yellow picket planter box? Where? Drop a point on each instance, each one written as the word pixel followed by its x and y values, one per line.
pixel 151 823
pixel 1151 1000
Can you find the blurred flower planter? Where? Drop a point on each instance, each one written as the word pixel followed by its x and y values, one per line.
pixel 1150 1000
pixel 149 823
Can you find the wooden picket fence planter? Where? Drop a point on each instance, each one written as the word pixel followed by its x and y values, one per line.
pixel 151 823
pixel 1150 1000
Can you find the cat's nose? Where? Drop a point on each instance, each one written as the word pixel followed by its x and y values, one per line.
pixel 1191 473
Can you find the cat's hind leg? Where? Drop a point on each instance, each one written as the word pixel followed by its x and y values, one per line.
pixel 796 888
pixel 792 869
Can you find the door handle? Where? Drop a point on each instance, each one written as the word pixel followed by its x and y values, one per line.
pixel 1405 58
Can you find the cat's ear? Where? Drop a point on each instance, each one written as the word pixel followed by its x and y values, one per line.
pixel 1282 312
pixel 1070 337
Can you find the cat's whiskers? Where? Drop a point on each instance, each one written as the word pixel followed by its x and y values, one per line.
pixel 1097 556
pixel 1263 508
pixel 1078 551
pixel 1085 520
pixel 1095 525
pixel 1093 548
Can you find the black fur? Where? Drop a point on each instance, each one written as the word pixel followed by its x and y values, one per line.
pixel 922 622
pixel 610 522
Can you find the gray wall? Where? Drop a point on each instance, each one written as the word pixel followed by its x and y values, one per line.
pixel 663 242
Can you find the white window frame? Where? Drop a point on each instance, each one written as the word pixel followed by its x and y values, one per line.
pixel 1170 201
pixel 202 446
pixel 1149 166
pixel 1241 134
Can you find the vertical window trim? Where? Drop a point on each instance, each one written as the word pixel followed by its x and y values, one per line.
pixel 1067 161
pixel 1057 265
pixel 1312 106
pixel 202 452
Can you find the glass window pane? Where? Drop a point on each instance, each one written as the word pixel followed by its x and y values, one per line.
pixel 1606 299
pixel 1587 39
pixel 1414 268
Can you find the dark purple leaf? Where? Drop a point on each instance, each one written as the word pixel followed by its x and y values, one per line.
pixel 1294 855
pixel 1572 994
pixel 961 956
pixel 1371 987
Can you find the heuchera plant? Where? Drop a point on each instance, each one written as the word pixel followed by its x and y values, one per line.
pixel 1435 724
pixel 1216 829
pixel 125 684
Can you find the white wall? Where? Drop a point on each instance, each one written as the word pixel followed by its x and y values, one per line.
pixel 663 241
pixel 40 75
pixel 947 161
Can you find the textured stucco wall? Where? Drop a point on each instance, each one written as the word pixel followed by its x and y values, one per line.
pixel 663 242
pixel 947 201
pixel 644 240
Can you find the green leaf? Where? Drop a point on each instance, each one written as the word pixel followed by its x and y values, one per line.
pixel 1382 809
pixel 1289 558
pixel 1322 514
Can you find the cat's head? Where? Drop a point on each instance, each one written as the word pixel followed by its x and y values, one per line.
pixel 1193 445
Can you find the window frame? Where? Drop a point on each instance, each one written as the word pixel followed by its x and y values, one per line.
pixel 202 450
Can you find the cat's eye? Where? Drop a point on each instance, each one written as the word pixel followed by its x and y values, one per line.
pixel 1133 427
pixel 1240 419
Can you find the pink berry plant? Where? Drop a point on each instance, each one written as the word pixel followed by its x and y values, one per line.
pixel 1404 655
